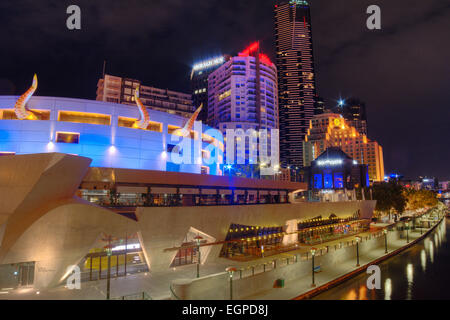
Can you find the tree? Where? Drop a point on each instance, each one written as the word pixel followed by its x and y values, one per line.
pixel 390 196
pixel 420 198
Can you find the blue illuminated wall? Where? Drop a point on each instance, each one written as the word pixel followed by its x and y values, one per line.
pixel 107 145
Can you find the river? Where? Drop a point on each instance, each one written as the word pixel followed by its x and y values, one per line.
pixel 418 273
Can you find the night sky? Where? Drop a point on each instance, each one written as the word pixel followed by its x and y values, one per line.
pixel 402 71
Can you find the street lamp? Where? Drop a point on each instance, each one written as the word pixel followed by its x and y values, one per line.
pixel 313 253
pixel 407 234
pixel 385 240
pixel 198 239
pixel 358 239
pixel 230 271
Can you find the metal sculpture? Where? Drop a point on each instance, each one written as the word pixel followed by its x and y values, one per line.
pixel 20 108
pixel 144 118
pixel 186 130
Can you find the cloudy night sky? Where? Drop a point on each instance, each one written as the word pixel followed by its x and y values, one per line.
pixel 402 72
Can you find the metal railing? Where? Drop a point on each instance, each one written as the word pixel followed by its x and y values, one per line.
pixel 135 296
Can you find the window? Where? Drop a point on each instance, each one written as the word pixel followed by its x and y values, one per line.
pixel 84 117
pixel 67 137
pixel 338 181
pixel 171 130
pixel 129 122
pixel 204 170
pixel 328 181
pixel 318 181
pixel 10 114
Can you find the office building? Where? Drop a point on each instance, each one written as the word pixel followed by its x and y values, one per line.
pixel 121 90
pixel 332 130
pixel 296 77
pixel 354 112
pixel 334 173
pixel 199 83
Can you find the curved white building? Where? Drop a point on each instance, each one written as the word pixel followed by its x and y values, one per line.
pixel 98 130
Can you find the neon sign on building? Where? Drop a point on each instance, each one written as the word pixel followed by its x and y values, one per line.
pixel 209 63
pixel 334 162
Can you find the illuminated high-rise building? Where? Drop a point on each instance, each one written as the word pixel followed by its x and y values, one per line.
pixel 243 94
pixel 199 83
pixel 332 130
pixel 296 77
pixel 354 111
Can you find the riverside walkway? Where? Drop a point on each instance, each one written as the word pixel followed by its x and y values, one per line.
pixel 157 285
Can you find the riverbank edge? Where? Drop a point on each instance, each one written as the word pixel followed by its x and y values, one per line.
pixel 333 283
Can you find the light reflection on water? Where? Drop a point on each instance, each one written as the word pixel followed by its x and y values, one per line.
pixel 417 273
pixel 423 260
pixel 387 289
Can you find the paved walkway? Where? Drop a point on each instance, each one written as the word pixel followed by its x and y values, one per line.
pixel 302 285
pixel 156 284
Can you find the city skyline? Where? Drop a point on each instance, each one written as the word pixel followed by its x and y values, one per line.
pixel 162 53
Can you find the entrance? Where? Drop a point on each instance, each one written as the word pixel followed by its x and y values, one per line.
pixel 26 274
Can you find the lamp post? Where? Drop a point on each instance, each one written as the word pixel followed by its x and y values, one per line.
pixel 407 234
pixel 108 247
pixel 358 239
pixel 385 240
pixel 198 239
pixel 313 253
pixel 230 271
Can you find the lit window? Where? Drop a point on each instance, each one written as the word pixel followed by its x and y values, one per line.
pixel 129 122
pixel 10 114
pixel 67 137
pixel 84 117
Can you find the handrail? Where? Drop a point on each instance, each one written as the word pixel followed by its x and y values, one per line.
pixel 143 294
pixel 173 292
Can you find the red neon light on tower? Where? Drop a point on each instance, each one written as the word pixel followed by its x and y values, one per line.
pixel 252 49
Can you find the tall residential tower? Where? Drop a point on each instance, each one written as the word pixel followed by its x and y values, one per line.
pixel 296 78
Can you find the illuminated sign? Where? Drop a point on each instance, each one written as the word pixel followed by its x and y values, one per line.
pixel 329 162
pixel 337 122
pixel 208 63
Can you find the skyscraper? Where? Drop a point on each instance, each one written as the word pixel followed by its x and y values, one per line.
pixel 296 78
pixel 332 130
pixel 354 111
pixel 199 83
pixel 243 94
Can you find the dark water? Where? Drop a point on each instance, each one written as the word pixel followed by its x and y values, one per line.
pixel 421 272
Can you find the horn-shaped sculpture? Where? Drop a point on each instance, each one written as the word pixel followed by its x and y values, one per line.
pixel 20 108
pixel 144 118
pixel 186 130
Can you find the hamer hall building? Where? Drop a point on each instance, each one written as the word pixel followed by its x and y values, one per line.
pixel 82 180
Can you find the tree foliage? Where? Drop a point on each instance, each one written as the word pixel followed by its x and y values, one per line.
pixel 420 198
pixel 389 196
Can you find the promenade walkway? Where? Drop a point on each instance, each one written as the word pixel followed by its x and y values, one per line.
pixel 156 284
